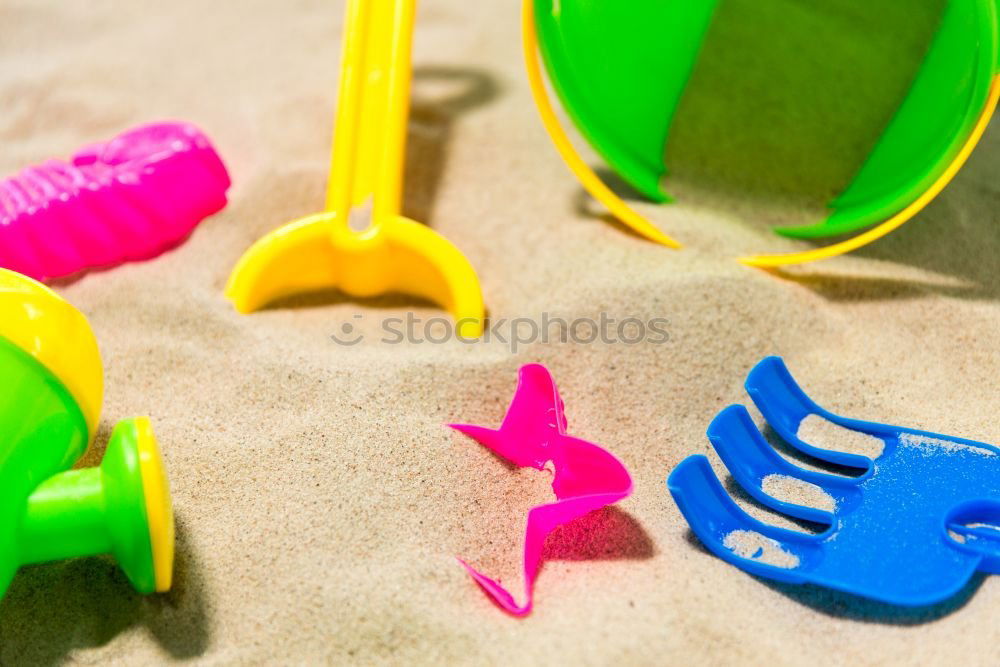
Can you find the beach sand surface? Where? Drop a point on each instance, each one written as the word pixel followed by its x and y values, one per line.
pixel 320 500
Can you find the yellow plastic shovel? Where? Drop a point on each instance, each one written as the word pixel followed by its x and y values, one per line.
pixel 392 253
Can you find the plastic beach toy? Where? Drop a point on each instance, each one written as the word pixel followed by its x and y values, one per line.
pixel 49 409
pixel 911 530
pixel 391 253
pixel 586 476
pixel 620 70
pixel 130 198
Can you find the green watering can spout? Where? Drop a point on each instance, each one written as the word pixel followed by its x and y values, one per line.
pixel 49 406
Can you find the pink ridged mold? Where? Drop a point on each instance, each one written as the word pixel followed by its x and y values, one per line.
pixel 127 199
pixel 586 478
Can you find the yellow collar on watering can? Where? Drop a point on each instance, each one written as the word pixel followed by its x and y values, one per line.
pixel 47 327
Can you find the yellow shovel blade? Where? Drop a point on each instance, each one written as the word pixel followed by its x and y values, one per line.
pixel 396 256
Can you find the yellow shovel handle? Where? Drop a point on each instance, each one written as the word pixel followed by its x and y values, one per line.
pixel 350 95
pixel 369 144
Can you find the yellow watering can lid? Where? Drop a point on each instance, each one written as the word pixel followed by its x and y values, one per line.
pixel 47 327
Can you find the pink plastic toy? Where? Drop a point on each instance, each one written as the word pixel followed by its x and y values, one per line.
pixel 130 198
pixel 586 476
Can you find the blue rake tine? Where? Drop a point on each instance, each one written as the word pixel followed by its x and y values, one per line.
pixel 784 405
pixel 713 516
pixel 750 459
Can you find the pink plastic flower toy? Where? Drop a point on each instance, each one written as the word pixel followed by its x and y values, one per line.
pixel 130 198
pixel 586 476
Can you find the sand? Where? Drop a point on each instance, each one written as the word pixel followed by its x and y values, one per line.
pixel 931 446
pixel 320 500
pixel 793 490
pixel 824 434
pixel 759 548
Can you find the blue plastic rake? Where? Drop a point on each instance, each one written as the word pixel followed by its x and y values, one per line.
pixel 911 530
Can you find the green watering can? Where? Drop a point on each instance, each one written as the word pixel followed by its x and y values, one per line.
pixel 49 410
pixel 621 68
